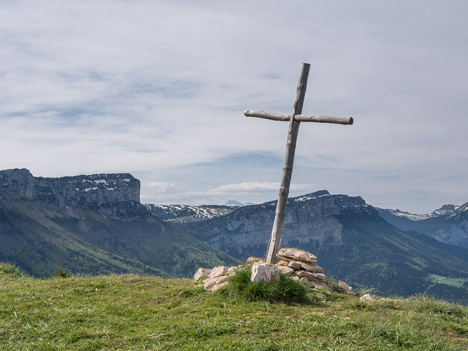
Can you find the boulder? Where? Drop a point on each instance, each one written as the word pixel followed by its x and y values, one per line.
pixel 264 272
pixel 344 286
pixel 217 271
pixel 222 279
pixel 296 254
pixel 304 281
pixel 201 273
pixel 282 263
pixel 311 276
pixel 210 283
pixel 366 297
pixel 252 260
pixel 311 268
pixel 285 270
pixel 219 286
pixel 232 270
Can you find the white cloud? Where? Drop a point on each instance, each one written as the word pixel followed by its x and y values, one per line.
pixel 247 186
pixel 161 187
pixel 256 187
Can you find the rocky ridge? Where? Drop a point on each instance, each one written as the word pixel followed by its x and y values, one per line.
pixel 75 191
pixel 310 221
pixel 445 210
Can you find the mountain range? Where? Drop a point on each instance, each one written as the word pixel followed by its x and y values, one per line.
pixel 95 224
pixel 352 241
pixel 91 225
pixel 448 224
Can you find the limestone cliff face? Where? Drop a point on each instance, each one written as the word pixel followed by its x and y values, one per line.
pixel 77 191
pixel 310 221
pixel 19 182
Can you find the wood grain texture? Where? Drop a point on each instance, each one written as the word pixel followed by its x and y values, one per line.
pixel 301 118
pixel 277 231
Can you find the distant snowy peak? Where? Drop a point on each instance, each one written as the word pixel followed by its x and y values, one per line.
pixel 235 203
pixel 187 213
pixel 445 210
pixel 460 212
pixel 410 216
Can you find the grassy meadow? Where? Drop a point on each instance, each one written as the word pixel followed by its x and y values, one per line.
pixel 130 312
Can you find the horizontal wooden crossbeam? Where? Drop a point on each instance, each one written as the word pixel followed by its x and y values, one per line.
pixel 299 118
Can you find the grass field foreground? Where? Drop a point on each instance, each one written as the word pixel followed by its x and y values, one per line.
pixel 130 312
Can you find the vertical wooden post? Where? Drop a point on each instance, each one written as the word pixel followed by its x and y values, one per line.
pixel 277 231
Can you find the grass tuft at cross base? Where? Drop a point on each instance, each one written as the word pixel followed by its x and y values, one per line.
pixel 285 290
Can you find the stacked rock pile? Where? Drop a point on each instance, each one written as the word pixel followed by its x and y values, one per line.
pixel 299 264
pixel 302 266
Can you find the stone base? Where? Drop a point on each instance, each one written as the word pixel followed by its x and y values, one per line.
pixel 264 272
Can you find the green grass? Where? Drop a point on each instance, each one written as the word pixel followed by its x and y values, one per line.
pixel 285 290
pixel 130 312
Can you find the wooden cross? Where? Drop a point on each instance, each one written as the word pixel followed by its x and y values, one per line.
pixel 294 121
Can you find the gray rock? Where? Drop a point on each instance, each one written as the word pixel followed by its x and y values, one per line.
pixel 232 270
pixel 296 254
pixel 295 265
pixel 311 268
pixel 311 276
pixel 252 260
pixel 264 272
pixel 286 270
pixel 217 271
pixel 219 286
pixel 201 273
pixel 344 286
pixel 366 297
pixel 209 283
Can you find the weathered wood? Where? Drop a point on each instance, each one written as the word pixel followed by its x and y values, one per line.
pixel 277 231
pixel 300 118
pixel 294 121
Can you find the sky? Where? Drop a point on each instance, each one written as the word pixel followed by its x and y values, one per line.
pixel 158 89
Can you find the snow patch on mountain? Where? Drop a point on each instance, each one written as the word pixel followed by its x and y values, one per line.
pixel 445 210
pixel 187 213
